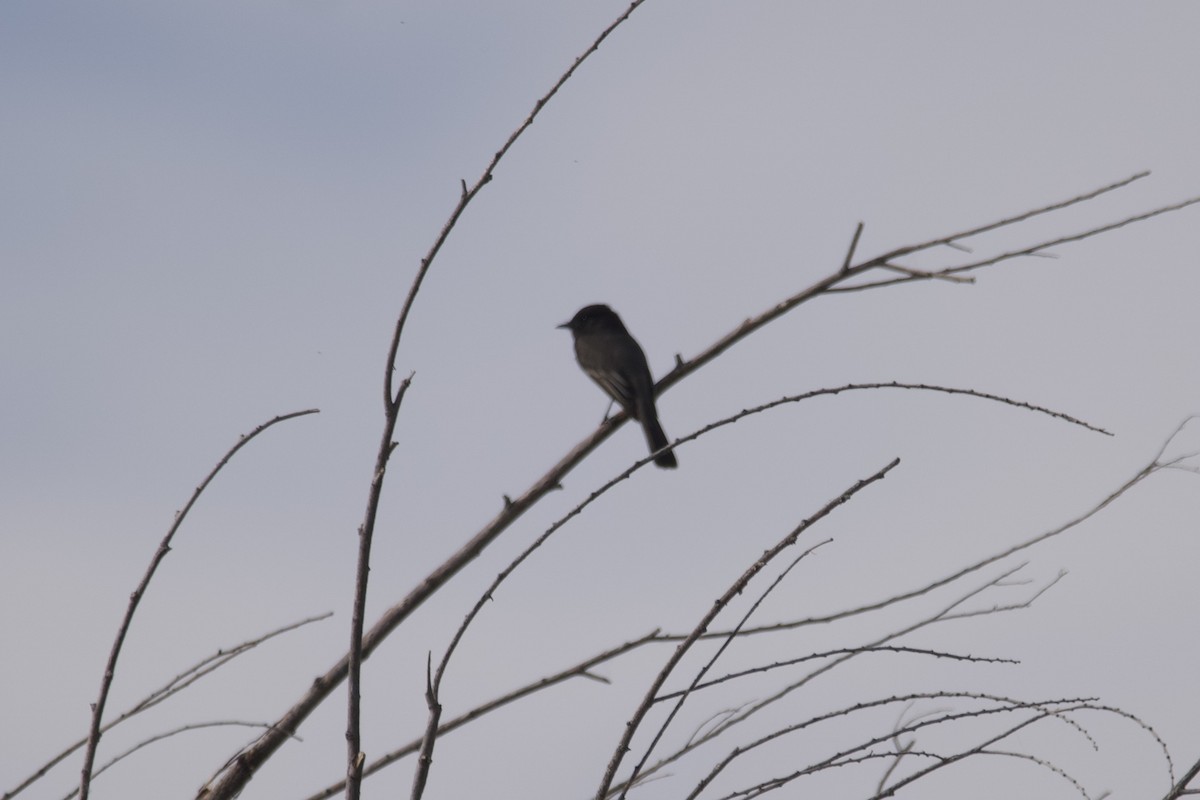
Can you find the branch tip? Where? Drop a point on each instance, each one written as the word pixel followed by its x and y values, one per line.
pixel 849 259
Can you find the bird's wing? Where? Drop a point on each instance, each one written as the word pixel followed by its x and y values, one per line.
pixel 615 386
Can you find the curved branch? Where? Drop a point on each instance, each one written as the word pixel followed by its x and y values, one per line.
pixel 164 547
pixel 1002 706
pixel 467 195
pixel 177 684
pixel 158 737
pixel 841 651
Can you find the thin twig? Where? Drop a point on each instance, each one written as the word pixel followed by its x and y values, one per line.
pixel 837 281
pixel 791 662
pixel 172 687
pixel 982 748
pixel 1055 709
pixel 1075 237
pixel 164 547
pixel 849 259
pixel 918 274
pixel 1013 220
pixel 194 726
pixel 887 260
pixel 903 749
pixel 1137 478
pixel 1001 705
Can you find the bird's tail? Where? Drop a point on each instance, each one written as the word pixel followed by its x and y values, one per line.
pixel 658 440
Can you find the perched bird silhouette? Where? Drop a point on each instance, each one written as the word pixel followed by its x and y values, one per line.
pixel 614 359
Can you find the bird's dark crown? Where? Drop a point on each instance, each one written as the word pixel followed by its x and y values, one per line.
pixel 594 317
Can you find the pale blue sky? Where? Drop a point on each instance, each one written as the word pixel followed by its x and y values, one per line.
pixel 210 212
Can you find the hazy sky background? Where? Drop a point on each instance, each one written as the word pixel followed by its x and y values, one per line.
pixel 210 213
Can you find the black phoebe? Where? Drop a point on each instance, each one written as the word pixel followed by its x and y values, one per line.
pixel 613 359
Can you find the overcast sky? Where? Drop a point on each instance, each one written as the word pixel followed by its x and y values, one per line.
pixel 210 214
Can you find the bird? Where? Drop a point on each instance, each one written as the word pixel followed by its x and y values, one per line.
pixel 615 361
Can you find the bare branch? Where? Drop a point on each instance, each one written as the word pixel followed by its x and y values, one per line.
pixel 1158 457
pixel 1180 788
pixel 354 656
pixel 172 687
pixel 903 749
pixel 982 748
pixel 887 259
pixel 580 670
pixel 164 547
pixel 1013 220
pixel 734 589
pixel 1075 237
pixel 791 662
pixel 467 195
pixel 853 247
pixel 195 726
pixel 1001 705
pixel 681 697
pixel 425 759
pixel 1138 477
pixel 1054 709
pixel 754 708
pixel 918 274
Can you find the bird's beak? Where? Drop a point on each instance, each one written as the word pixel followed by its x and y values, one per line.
pixel 564 325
